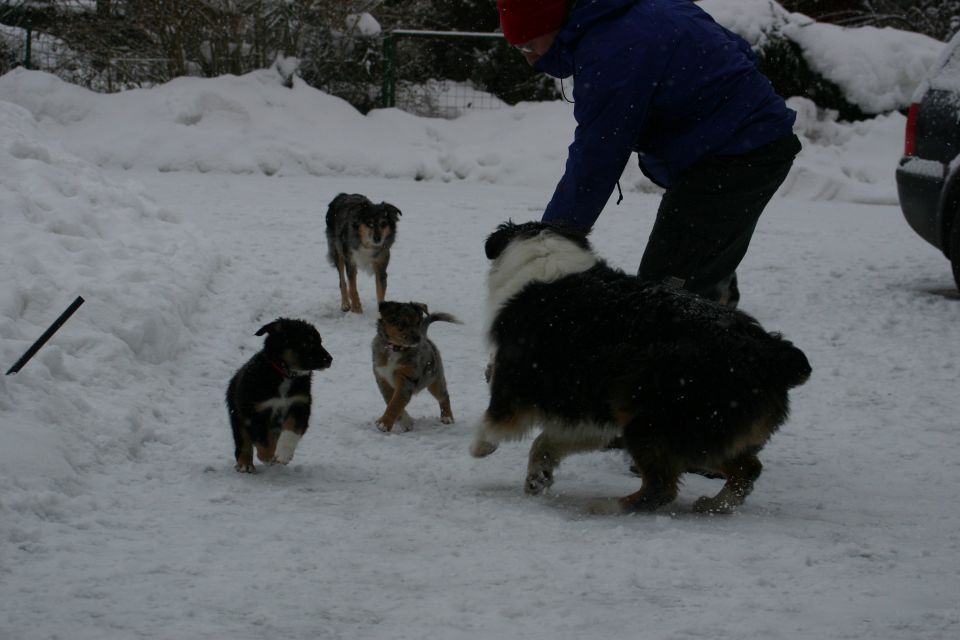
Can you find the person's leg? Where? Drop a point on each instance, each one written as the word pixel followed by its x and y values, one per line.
pixel 706 220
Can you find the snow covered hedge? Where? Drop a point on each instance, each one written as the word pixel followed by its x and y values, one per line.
pixel 858 72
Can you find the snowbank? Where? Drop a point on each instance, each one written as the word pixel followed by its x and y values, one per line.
pixel 69 231
pixel 253 125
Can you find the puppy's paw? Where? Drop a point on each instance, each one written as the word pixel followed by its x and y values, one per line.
pixel 344 306
pixel 447 419
pixel 384 426
pixel 286 445
pixel 537 482
pixel 406 421
pixel 244 467
pixel 482 448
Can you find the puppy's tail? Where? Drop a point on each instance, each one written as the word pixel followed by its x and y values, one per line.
pixel 440 317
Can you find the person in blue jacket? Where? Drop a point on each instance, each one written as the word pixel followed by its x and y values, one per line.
pixel 661 78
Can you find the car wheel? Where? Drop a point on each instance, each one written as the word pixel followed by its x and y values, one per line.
pixel 955 250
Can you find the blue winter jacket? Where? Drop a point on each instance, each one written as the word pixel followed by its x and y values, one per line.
pixel 661 78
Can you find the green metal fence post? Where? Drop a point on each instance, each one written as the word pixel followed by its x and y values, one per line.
pixel 27 47
pixel 388 97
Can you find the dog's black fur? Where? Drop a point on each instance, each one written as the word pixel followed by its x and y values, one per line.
pixel 359 235
pixel 270 394
pixel 597 355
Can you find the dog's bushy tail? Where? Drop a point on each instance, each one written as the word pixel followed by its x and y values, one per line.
pixel 790 363
pixel 335 204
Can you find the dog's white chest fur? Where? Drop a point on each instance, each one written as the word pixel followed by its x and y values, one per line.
pixel 363 258
pixel 280 404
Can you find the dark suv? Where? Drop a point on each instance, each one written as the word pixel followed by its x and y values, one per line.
pixel 928 178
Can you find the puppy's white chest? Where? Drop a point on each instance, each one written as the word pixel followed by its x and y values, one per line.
pixel 387 369
pixel 280 404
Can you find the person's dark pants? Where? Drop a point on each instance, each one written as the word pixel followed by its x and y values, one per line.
pixel 706 219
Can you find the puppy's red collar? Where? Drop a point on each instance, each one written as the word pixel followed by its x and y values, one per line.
pixel 279 369
pixel 397 347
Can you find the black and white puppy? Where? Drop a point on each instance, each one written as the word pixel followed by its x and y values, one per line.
pixel 269 399
pixel 359 235
pixel 591 354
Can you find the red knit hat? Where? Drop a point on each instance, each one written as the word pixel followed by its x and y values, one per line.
pixel 524 20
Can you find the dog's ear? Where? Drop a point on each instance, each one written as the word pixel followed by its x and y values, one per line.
pixel 421 307
pixel 392 212
pixel 576 235
pixel 499 239
pixel 274 327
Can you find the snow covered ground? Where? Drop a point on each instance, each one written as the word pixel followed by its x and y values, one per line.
pixel 191 214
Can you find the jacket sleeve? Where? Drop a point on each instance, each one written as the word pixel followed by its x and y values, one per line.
pixel 611 104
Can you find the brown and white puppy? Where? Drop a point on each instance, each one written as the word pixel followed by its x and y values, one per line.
pixel 405 361
pixel 359 235
pixel 593 356
pixel 269 399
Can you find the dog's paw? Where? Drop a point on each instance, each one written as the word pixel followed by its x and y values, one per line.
pixel 482 448
pixel 344 306
pixel 708 504
pixel 606 507
pixel 406 421
pixel 244 467
pixel 384 426
pixel 447 419
pixel 537 482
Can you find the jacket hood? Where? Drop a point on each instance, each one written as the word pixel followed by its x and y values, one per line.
pixel 558 61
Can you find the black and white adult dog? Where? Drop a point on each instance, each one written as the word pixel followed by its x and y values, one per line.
pixel 590 354
pixel 360 234
pixel 268 398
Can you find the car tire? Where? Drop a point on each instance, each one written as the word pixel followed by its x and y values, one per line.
pixel 955 249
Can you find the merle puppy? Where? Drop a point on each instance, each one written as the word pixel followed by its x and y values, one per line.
pixel 268 398
pixel 406 361
pixel 359 235
pixel 591 354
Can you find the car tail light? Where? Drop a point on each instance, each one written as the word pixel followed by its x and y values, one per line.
pixel 910 140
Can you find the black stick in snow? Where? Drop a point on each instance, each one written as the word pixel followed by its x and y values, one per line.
pixel 42 340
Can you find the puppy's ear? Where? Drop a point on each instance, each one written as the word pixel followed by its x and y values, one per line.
pixel 421 307
pixel 274 327
pixel 499 239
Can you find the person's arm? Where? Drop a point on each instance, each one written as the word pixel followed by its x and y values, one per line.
pixel 612 100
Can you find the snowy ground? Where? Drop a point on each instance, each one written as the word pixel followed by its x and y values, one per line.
pixel 851 533
pixel 121 515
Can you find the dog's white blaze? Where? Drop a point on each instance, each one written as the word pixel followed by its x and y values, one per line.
pixel 546 257
pixel 286 444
